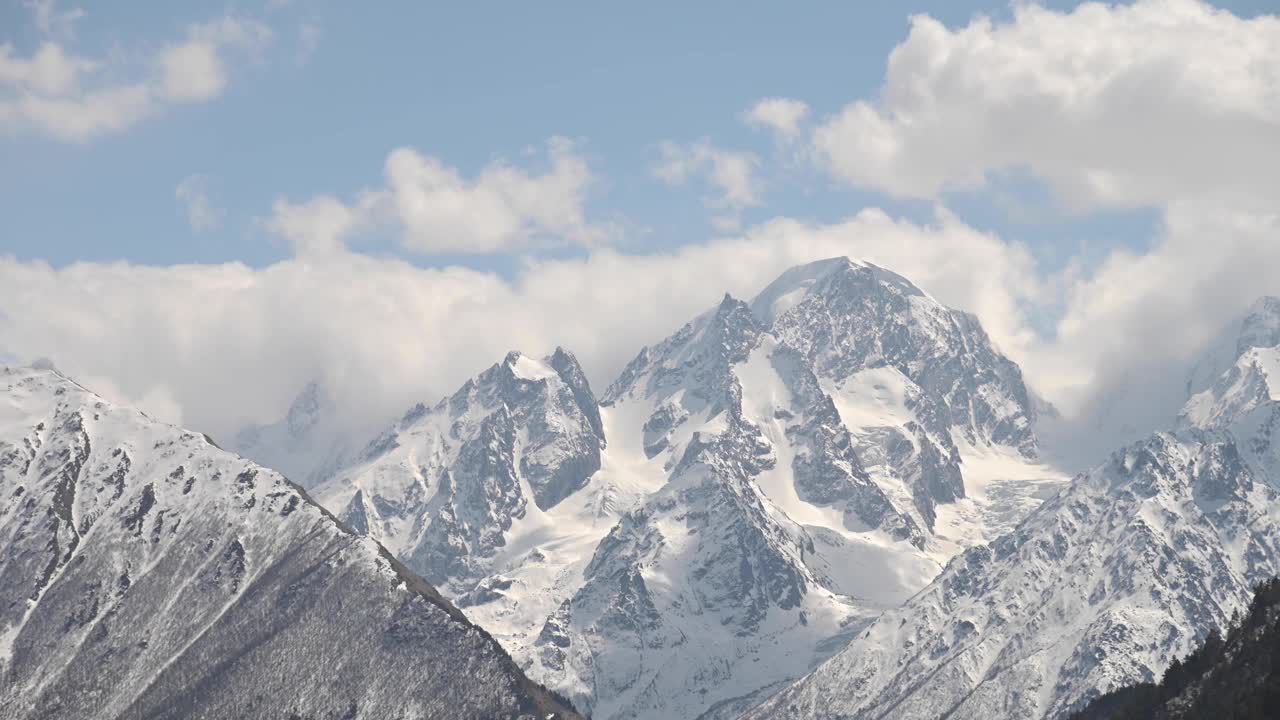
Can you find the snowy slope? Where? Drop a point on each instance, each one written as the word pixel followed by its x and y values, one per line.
pixel 144 572
pixel 1100 587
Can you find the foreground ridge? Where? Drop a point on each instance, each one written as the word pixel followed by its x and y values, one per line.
pixel 1235 677
pixel 146 573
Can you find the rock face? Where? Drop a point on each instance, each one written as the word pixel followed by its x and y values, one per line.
pixel 443 487
pixel 145 573
pixel 777 473
pixel 1101 587
pixel 848 317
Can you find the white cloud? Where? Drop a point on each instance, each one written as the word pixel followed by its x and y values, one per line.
pixel 49 20
pixel 1112 105
pixel 73 98
pixel 731 174
pixel 232 344
pixel 504 208
pixel 49 71
pixel 782 116
pixel 194 70
pixel 1131 330
pixel 81 117
pixel 192 192
pixel 320 226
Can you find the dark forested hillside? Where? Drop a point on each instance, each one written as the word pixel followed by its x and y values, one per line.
pixel 1225 679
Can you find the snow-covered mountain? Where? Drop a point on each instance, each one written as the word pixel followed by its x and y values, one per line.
pixel 145 573
pixel 1101 587
pixel 776 473
pixel 1259 328
pixel 307 445
pixel 1232 675
pixel 443 488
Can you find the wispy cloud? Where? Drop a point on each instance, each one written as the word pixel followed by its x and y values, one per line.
pixel 58 93
pixel 732 175
pixel 192 194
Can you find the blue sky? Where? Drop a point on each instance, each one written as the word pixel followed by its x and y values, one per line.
pixel 468 83
pixel 395 195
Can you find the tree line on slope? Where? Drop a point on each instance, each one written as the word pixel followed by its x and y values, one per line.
pixel 1231 678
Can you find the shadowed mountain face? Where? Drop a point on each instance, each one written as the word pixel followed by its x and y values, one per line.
pixel 145 573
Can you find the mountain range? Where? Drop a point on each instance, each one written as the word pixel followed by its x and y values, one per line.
pixel 825 501
pixel 737 504
pixel 1105 585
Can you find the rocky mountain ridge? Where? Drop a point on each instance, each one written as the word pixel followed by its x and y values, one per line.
pixel 144 572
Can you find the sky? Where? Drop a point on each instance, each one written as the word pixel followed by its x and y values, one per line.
pixel 203 207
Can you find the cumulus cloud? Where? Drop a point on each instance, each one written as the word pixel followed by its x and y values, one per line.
pixel 504 208
pixel 731 176
pixel 195 70
pixel 50 70
pixel 58 93
pixel 1120 105
pixel 232 344
pixel 782 116
pixel 321 225
pixel 192 72
pixel 192 194
pixel 1131 330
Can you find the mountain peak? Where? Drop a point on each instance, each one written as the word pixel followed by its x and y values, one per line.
pixel 562 356
pixel 443 486
pixel 1261 327
pixel 304 413
pixel 791 287
pixel 833 276
pixel 524 367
